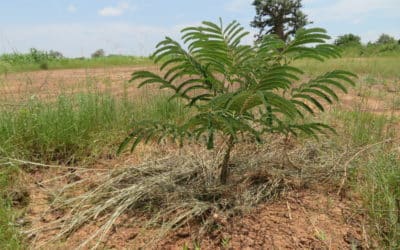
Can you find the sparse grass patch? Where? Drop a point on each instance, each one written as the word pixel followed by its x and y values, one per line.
pixel 362 127
pixel 76 127
pixel 379 185
pixel 375 172
pixel 396 103
pixel 376 67
pixel 9 235
pixel 22 63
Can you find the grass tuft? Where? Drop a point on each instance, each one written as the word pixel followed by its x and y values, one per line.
pixel 379 185
pixel 76 128
pixel 9 234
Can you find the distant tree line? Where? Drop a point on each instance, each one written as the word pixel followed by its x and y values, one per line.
pixel 354 40
pixel 284 18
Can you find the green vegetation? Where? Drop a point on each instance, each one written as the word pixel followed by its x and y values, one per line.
pixel 240 87
pixel 9 235
pixel 98 53
pixel 43 60
pixel 364 128
pixel 348 40
pixel 372 50
pixel 375 172
pixel 352 47
pixel 77 129
pixel 65 130
pixel 73 129
pixel 380 190
pixel 380 67
pixel 386 39
pixel 282 18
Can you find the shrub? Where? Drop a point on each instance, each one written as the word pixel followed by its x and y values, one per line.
pixel 55 54
pixel 348 40
pixel 238 91
pixel 385 39
pixel 98 53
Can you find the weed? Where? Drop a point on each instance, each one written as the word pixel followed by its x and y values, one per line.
pixel 396 103
pixel 370 80
pixel 75 127
pixel 379 184
pixel 363 127
pixel 9 236
pixel 225 242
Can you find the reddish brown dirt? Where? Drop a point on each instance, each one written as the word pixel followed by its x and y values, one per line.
pixel 304 219
pixel 48 84
pixel 301 219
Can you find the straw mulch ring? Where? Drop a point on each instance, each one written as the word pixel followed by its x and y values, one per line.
pixel 162 196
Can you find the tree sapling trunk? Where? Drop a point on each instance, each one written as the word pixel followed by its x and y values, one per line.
pixel 225 162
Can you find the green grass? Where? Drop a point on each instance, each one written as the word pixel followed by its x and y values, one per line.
pixel 77 127
pixel 74 63
pixel 9 236
pixel 72 129
pixel 372 50
pixel 375 173
pixel 380 67
pixel 363 128
pixel 379 184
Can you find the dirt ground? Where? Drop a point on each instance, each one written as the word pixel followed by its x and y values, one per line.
pixel 49 84
pixel 304 218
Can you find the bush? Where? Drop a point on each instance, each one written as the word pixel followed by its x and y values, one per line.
pixel 348 40
pixel 385 39
pixel 98 53
pixel 35 58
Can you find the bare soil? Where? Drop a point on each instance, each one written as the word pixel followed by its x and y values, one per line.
pixel 304 219
pixel 314 217
pixel 49 84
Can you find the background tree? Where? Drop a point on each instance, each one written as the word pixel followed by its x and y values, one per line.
pixel 385 39
pixel 98 53
pixel 348 40
pixel 55 55
pixel 280 17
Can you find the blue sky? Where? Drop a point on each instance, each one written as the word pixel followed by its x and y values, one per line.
pixel 79 27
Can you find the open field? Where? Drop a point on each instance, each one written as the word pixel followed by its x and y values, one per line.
pixel 60 129
pixel 12 63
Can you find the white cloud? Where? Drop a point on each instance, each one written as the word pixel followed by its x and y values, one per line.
pixel 115 10
pixel 71 8
pixel 238 5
